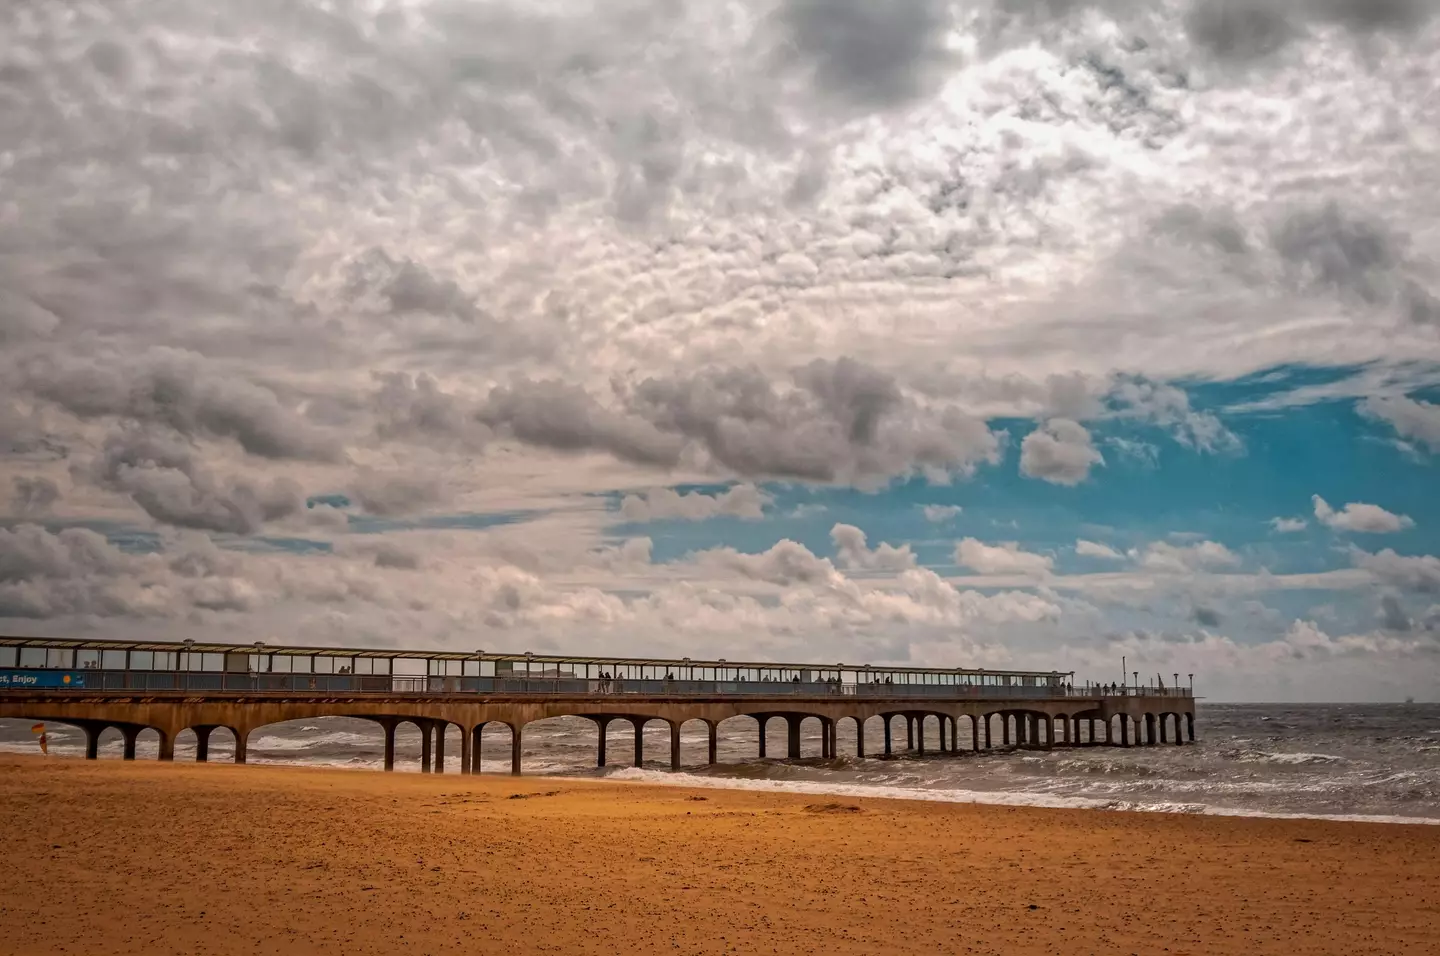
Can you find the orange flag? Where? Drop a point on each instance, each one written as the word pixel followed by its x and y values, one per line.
pixel 37 729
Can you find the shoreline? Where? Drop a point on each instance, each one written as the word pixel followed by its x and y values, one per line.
pixel 951 796
pixel 147 858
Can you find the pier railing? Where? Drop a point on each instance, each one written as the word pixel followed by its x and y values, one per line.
pixel 92 680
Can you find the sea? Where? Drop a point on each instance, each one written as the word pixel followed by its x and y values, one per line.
pixel 1368 762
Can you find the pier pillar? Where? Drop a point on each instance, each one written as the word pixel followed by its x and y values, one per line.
pixel 603 723
pixel 987 731
pixel 1005 729
pixel 909 732
pixel 1124 730
pixel 464 750
pixel 1190 725
pixel 92 740
pixel 1164 729
pixel 886 718
pixel 714 733
pixel 860 737
pixel 440 727
pixel 919 724
pixel 425 746
pixel 167 746
pixel 242 742
pixel 639 723
pixel 130 733
pixel 476 761
pixel 1092 732
pixel 515 743
pixel 826 744
pixel 764 720
pixel 975 732
pixel 955 734
pixel 202 743
pixel 1179 737
pixel 793 736
pixel 1149 730
pixel 674 746
pixel 389 728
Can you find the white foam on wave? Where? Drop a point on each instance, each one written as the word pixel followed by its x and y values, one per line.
pixel 1008 798
pixel 1284 759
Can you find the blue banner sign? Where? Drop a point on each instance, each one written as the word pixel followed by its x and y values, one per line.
pixel 33 680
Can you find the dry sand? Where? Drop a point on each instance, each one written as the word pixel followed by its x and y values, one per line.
pixel 113 857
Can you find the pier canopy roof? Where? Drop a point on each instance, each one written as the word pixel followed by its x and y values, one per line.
pixel 264 656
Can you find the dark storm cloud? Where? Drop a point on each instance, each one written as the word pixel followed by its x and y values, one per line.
pixel 1206 616
pixel 872 55
pixel 34 496
pixel 181 391
pixel 1252 29
pixel 162 476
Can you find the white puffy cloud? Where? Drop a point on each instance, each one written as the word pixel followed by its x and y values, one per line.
pixel 1060 452
pixel 1004 558
pixel 855 555
pixel 1288 525
pixel 1094 549
pixel 742 501
pixel 1360 517
pixel 1412 420
pixel 1166 558
pixel 939 514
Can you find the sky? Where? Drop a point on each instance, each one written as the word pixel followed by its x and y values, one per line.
pixel 989 333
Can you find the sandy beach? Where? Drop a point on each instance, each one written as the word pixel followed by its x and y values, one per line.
pixel 112 857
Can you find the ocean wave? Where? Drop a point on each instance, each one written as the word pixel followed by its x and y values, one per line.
pixel 1283 759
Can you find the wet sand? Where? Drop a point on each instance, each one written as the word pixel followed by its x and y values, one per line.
pixel 112 857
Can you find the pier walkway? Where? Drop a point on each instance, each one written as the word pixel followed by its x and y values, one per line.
pixel 173 687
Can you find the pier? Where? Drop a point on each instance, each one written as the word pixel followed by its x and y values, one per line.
pixel 172 687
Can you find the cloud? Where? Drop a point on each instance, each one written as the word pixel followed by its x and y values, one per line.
pixel 34 496
pixel 564 417
pixel 939 514
pixel 1059 452
pixel 1288 525
pixel 1004 558
pixel 1393 616
pixel 163 477
pixel 388 494
pixel 868 56
pixel 854 555
pixel 1360 517
pixel 1092 549
pixel 742 501
pixel 1206 617
pixel 1412 420
pixel 1166 558
pixel 1245 30
pixel 183 392
pixel 1419 573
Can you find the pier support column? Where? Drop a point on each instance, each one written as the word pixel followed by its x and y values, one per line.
pixel 975 733
pixel 674 746
pixel 202 743
pixel 919 745
pixel 603 723
pixel 639 741
pixel 909 732
pixel 464 751
pixel 987 731
pixel 167 746
pixel 1179 737
pixel 955 735
pixel 242 742
pixel 1149 730
pixel 1190 725
pixel 888 750
pixel 389 728
pixel 860 737
pixel 713 728
pixel 1005 729
pixel 825 743
pixel 764 720
pixel 426 745
pixel 130 733
pixel 1124 730
pixel 1092 732
pixel 476 761
pixel 440 727
pixel 516 736
pixel 793 736
pixel 92 740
